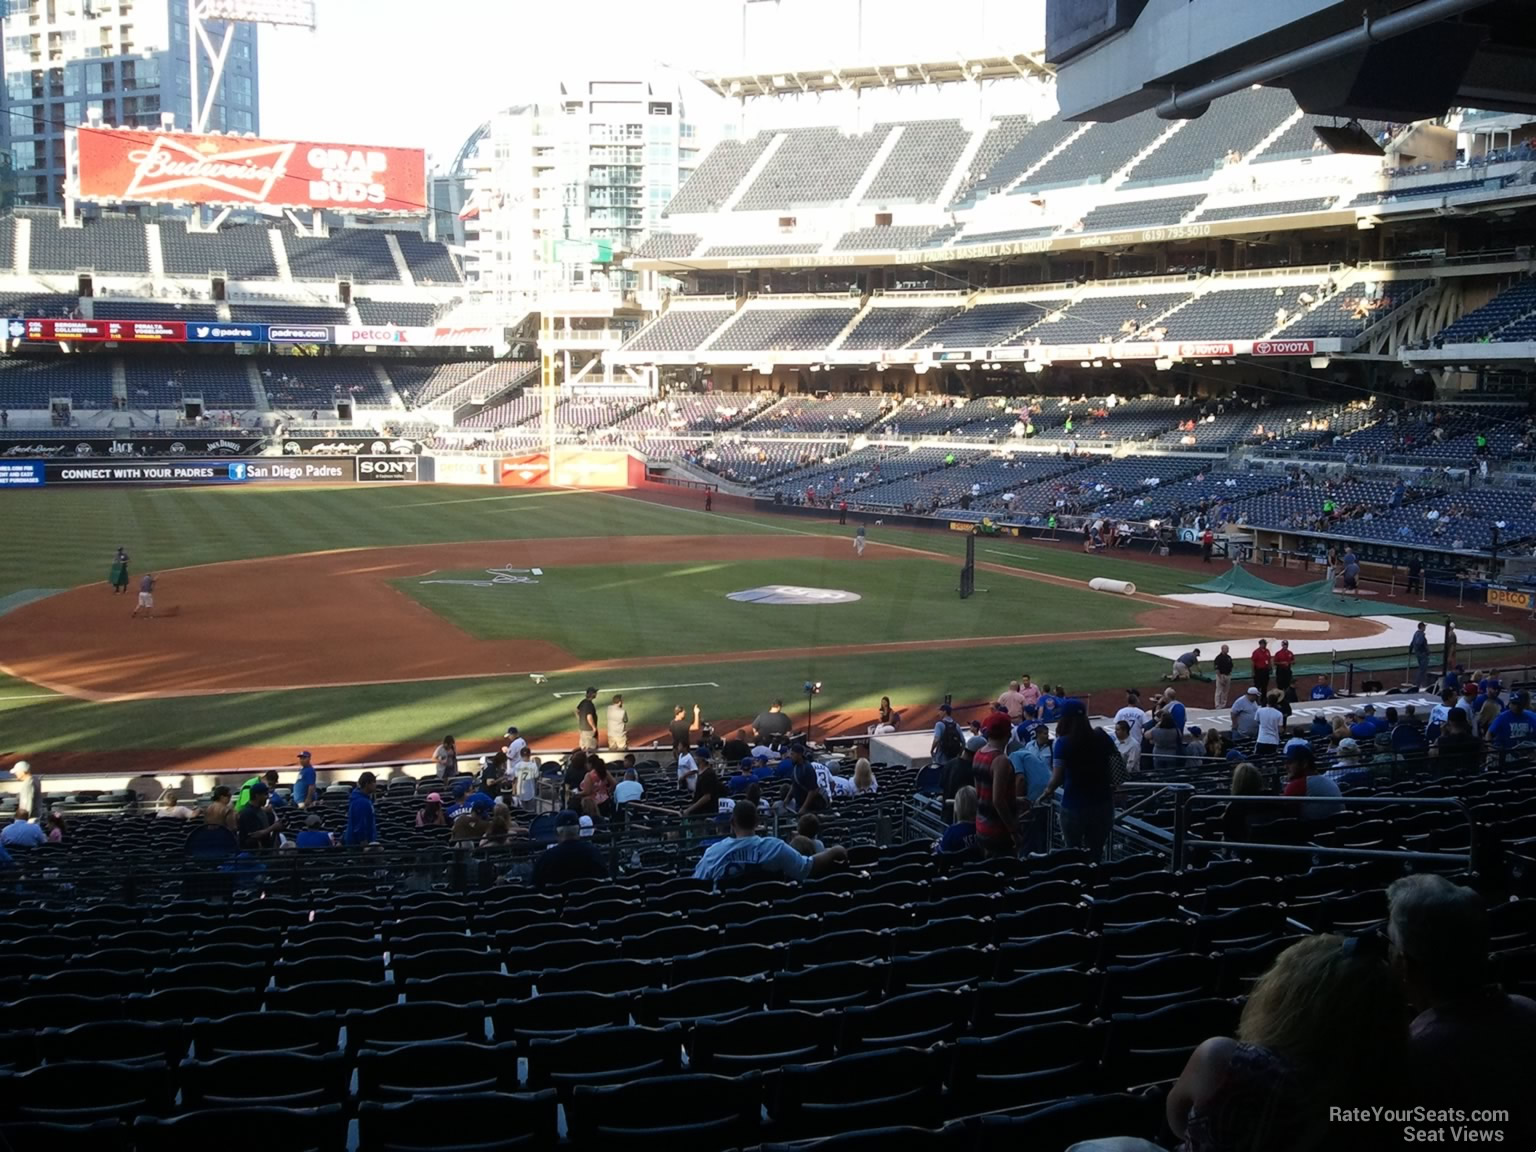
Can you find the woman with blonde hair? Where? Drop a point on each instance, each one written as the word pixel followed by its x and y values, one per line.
pixel 864 782
pixel 1238 820
pixel 1324 1026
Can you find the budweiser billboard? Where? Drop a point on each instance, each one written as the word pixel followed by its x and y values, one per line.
pixel 184 168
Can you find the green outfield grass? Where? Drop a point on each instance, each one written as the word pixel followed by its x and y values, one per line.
pixel 678 605
pixel 642 604
pixel 65 537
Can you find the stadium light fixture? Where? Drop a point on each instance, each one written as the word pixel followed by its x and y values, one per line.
pixel 1319 362
pixel 1162 364
pixel 1033 367
pixel 229 14
pixel 292 13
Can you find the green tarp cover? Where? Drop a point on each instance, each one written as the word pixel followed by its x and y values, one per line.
pixel 1314 597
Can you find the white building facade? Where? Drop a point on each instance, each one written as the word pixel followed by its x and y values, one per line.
pixel 553 184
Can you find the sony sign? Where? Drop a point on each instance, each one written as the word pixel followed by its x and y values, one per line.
pixel 369 469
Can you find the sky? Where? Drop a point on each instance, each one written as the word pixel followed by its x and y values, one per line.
pixel 426 75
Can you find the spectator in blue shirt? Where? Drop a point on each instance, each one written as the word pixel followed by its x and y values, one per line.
pixel 747 850
pixel 305 791
pixel 22 833
pixel 1049 705
pixel 314 834
pixel 1322 690
pixel 1032 762
pixel 362 822
pixel 1515 725
pixel 960 836
pixel 1320 726
pixel 456 806
pixel 1173 708
pixel 1365 727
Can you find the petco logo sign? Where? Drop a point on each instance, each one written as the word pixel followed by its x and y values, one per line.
pixel 370 469
pixel 184 168
pixel 1284 347
pixel 792 594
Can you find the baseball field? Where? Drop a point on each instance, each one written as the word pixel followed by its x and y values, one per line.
pixel 368 621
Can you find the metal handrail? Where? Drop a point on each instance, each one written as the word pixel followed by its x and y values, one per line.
pixel 1182 843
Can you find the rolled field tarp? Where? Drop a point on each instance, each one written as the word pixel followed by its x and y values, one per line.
pixel 1123 587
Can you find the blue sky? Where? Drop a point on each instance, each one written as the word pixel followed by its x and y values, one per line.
pixel 424 75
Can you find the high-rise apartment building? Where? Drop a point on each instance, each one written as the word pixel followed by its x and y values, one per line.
pixel 129 58
pixel 588 171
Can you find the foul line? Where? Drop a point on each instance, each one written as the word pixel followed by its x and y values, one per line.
pixel 642 688
pixel 36 696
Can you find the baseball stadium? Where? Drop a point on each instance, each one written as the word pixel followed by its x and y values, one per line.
pixel 998 615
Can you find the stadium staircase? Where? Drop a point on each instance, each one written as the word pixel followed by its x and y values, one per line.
pixel 763 160
pixel 1281 129
pixel 387 386
pixel 154 253
pixel 258 389
pixel 876 163
pixel 280 255
pixel 1117 178
pixel 402 267
pixel 863 310
pixel 1023 177
pixel 23 245
pixel 963 164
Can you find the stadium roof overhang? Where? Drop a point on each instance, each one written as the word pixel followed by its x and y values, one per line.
pixel 1403 60
pixel 899 74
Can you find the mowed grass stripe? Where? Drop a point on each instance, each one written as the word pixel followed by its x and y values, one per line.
pixel 680 606
pixel 478 710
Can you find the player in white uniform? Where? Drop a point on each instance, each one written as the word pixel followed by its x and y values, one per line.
pixel 858 541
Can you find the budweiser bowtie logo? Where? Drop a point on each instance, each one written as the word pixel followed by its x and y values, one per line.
pixel 243 172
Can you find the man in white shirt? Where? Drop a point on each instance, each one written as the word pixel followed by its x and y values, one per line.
pixel 516 747
pixel 688 765
pixel 618 725
pixel 1130 748
pixel 1245 714
pixel 1133 715
pixel 1271 723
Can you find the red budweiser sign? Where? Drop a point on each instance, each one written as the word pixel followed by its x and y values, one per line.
pixel 182 168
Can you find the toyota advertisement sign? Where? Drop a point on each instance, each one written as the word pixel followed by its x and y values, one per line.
pixel 142 166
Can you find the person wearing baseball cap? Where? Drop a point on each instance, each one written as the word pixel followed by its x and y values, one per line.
pixel 1303 780
pixel 1245 715
pixel 1514 726
pixel 570 857
pixel 305 791
pixel 431 814
pixel 992 775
